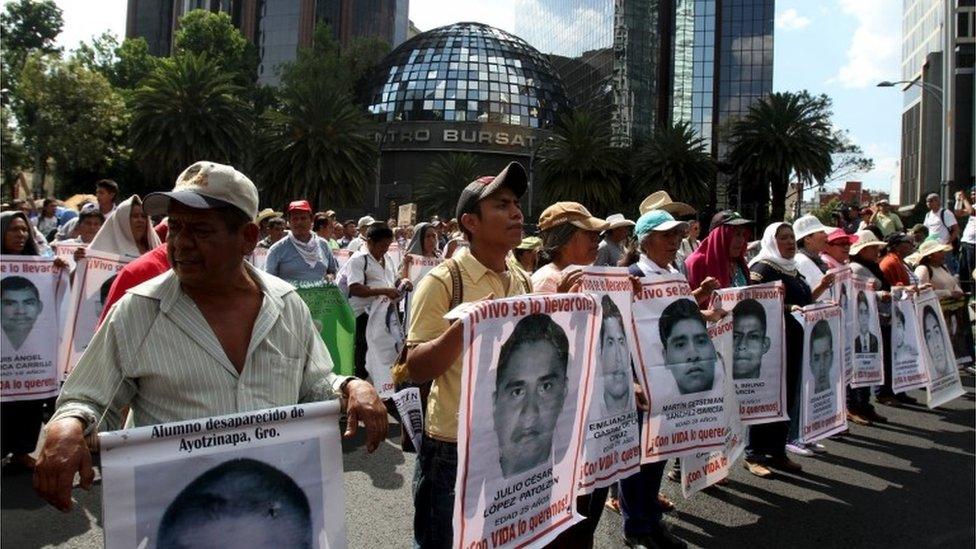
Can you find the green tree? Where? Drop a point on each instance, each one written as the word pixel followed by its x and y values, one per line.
pixel 315 146
pixel 785 134
pixel 580 164
pixel 26 27
pixel 674 159
pixel 213 34
pixel 440 185
pixel 72 115
pixel 124 65
pixel 187 109
pixel 13 155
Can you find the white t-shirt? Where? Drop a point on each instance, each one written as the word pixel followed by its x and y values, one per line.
pixel 940 227
pixel 355 245
pixel 969 233
pixel 811 273
pixel 363 268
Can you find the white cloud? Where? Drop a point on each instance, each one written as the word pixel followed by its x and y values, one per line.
pixel 791 20
pixel 430 14
pixel 875 47
pixel 885 174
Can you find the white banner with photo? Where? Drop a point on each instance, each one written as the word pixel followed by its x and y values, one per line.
pixel 868 360
pixel 611 449
pixel 908 371
pixel 93 280
pixel 30 294
pixel 418 268
pixel 679 370
pixel 384 340
pixel 758 350
pixel 526 380
pixel 701 469
pixel 823 409
pixel 259 258
pixel 266 478
pixel 944 383
pixel 396 254
pixel 841 293
pixel 408 406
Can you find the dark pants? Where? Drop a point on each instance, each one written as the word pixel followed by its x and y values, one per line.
pixel 638 496
pixel 885 388
pixel 360 352
pixel 769 439
pixel 20 424
pixel 433 494
pixel 580 535
pixel 967 262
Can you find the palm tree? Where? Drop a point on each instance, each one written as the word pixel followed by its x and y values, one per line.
pixel 580 164
pixel 441 184
pixel 315 146
pixel 186 110
pixel 674 159
pixel 785 134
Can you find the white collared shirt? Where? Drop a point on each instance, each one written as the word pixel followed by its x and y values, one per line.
pixel 649 267
pixel 156 353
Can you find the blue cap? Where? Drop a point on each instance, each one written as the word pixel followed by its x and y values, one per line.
pixel 656 220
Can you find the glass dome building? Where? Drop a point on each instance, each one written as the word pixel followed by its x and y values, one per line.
pixel 465 87
pixel 466 72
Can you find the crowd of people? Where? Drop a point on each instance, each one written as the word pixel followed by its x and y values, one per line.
pixel 194 297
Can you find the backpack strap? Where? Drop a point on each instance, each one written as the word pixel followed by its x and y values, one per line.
pixel 457 284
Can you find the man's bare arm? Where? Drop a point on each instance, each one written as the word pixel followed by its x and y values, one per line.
pixel 431 359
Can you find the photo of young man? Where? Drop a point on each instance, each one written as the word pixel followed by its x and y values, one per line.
pixel 614 361
pixel 865 341
pixel 20 305
pixel 942 358
pixel 821 356
pixel 749 339
pixel 530 388
pixel 688 351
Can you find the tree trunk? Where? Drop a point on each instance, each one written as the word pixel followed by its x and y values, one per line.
pixel 779 187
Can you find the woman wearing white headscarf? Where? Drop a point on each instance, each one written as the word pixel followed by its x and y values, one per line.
pixel 422 243
pixel 127 232
pixel 775 262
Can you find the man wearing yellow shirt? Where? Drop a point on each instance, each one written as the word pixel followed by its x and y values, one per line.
pixel 489 215
pixel 886 220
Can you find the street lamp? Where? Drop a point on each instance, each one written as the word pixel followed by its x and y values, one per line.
pixel 535 150
pixel 936 92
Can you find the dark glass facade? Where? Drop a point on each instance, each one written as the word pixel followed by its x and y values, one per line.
pixel 277 36
pixel 153 21
pixel 466 72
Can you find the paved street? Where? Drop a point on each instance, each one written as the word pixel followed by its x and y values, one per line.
pixel 909 483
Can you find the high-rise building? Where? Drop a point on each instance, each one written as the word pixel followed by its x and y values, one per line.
pixel 641 63
pixel 277 27
pixel 938 40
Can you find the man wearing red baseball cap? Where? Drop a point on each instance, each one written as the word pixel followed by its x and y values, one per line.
pixel 302 255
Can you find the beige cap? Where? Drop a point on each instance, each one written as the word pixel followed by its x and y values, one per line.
pixel 865 238
pixel 206 185
pixel 931 246
pixel 661 200
pixel 570 212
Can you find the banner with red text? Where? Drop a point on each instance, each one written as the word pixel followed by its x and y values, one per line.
pixel 823 410
pixel 944 383
pixel 93 280
pixel 868 362
pixel 611 449
pixel 30 289
pixel 701 469
pixel 679 370
pixel 758 350
pixel 66 251
pixel 908 371
pixel 263 478
pixel 526 379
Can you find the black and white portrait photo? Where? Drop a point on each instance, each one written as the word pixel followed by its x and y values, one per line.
pixel 821 356
pixel 530 388
pixel 614 361
pixel 20 307
pixel 751 343
pixel 934 335
pixel 865 341
pixel 688 351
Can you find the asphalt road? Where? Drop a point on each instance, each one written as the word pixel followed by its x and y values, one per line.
pixel 909 483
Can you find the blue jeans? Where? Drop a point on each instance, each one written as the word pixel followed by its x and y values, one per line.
pixel 433 494
pixel 638 497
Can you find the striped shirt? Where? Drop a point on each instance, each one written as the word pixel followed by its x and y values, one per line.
pixel 156 354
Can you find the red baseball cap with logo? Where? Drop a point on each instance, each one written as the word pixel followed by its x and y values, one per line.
pixel 299 206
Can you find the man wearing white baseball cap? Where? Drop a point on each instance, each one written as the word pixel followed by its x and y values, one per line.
pixel 611 248
pixel 811 238
pixel 212 336
pixel 357 243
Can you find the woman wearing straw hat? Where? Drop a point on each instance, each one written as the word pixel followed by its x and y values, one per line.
pixel 865 258
pixel 931 269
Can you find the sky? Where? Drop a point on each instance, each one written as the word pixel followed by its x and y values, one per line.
pixel 838 47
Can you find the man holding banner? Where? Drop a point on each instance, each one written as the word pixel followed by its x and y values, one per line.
pixel 212 336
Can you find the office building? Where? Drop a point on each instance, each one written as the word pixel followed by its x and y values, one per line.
pixel 277 27
pixel 938 41
pixel 465 87
pixel 641 63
